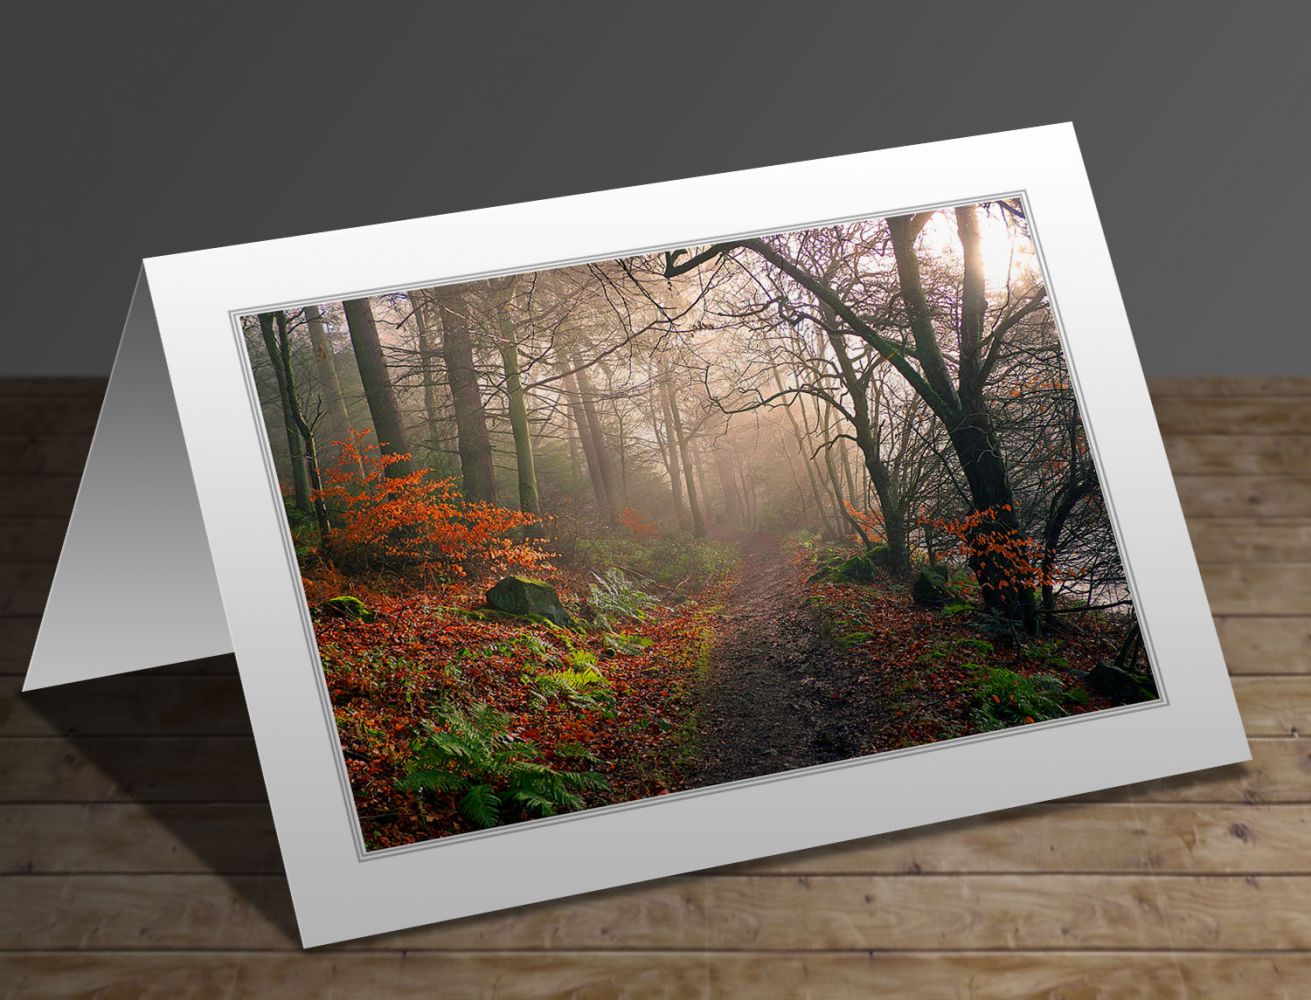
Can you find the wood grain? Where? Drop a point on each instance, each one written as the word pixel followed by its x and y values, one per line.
pixel 137 854
pixel 680 975
pixel 1262 645
pixel 1245 496
pixel 1229 541
pixel 1258 588
pixel 717 913
pixel 1267 415
pixel 1239 454
pixel 156 703
pixel 1162 386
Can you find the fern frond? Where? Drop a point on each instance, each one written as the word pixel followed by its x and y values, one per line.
pixel 481 805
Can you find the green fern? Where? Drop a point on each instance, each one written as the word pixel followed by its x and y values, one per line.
pixel 1004 698
pixel 494 775
pixel 614 597
pixel 584 688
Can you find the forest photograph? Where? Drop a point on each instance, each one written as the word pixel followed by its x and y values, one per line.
pixel 607 532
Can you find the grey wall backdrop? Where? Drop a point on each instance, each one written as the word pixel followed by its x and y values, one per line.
pixel 136 130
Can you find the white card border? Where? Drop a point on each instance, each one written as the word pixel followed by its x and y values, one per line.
pixel 336 894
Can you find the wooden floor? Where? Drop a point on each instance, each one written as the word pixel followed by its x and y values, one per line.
pixel 138 855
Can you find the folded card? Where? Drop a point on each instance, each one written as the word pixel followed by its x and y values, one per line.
pixel 575 543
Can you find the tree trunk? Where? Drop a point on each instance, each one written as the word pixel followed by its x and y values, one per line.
pixel 693 502
pixel 733 504
pixel 835 481
pixel 523 440
pixel 334 403
pixel 826 525
pixel 669 452
pixel 1063 504
pixel 965 414
pixel 600 448
pixel 867 440
pixel 303 426
pixel 295 448
pixel 422 306
pixel 588 443
pixel 377 385
pixel 474 443
pixel 698 460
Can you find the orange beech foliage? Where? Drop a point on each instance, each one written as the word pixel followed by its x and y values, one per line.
pixel 638 523
pixel 1018 557
pixel 414 521
pixel 870 521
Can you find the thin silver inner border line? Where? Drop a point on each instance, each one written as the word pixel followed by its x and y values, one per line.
pixel 265 445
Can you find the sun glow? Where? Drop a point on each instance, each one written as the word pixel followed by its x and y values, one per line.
pixel 1008 253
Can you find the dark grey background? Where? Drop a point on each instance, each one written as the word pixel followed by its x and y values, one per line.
pixel 137 130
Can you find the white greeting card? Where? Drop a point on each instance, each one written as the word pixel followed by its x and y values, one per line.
pixel 575 543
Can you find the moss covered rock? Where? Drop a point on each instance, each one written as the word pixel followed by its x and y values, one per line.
pixel 1119 684
pixel 930 587
pixel 855 569
pixel 517 595
pixel 347 606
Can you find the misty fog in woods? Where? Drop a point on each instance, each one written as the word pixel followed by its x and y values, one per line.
pixel 598 533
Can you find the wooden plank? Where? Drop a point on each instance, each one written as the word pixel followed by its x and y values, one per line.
pixel 953 913
pixel 1274 706
pixel 30 542
pixel 129 837
pixel 1228 385
pixel 37 455
pixel 1245 496
pixel 1239 454
pixel 17 637
pixel 24 588
pixel 695 973
pixel 168 976
pixel 1258 588
pixel 64 385
pixel 1228 541
pixel 757 913
pixel 50 415
pixel 128 705
pixel 1265 414
pixel 1064 837
pixel 1012 974
pixel 1261 645
pixel 254 912
pixel 182 769
pixel 42 497
pixel 1082 837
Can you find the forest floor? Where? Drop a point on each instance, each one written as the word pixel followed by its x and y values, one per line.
pixel 779 694
pixel 760 668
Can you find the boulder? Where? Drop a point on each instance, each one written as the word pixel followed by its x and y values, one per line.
pixel 930 588
pixel 1119 684
pixel 880 555
pixel 347 606
pixel 856 569
pixel 517 595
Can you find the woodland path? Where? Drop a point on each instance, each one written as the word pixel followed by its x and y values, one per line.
pixel 778 689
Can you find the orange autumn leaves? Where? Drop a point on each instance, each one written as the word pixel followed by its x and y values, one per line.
pixel 870 521
pixel 415 522
pixel 1018 561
